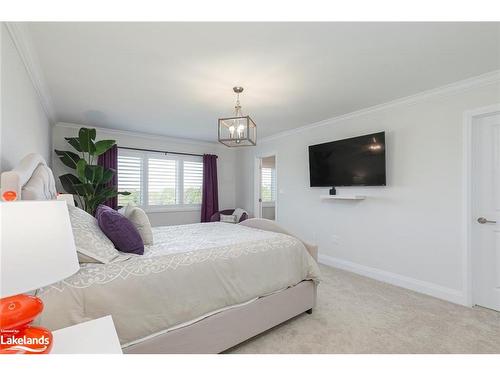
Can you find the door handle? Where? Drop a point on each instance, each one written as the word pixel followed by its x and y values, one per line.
pixel 482 220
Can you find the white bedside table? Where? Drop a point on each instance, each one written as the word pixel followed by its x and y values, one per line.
pixel 96 336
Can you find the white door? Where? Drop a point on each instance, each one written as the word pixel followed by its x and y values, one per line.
pixel 485 245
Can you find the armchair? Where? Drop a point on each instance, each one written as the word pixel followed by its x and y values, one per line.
pixel 216 216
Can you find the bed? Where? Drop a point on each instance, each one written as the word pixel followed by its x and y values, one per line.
pixel 200 288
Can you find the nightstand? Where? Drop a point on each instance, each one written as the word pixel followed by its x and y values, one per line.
pixel 96 336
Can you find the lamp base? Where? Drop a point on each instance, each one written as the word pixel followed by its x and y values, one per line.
pixel 16 335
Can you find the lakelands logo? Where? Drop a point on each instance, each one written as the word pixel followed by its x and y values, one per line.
pixel 24 340
pixel 24 343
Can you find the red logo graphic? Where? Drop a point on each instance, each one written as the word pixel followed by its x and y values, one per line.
pixel 16 335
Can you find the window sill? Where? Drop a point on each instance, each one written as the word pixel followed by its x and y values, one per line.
pixel 160 209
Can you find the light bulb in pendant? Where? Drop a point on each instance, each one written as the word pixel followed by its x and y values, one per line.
pixel 240 129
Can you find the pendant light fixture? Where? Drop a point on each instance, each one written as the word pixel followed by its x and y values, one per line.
pixel 238 130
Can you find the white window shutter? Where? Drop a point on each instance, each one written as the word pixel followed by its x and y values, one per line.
pixel 193 179
pixel 268 182
pixel 129 179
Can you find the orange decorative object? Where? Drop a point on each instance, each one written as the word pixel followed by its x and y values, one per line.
pixel 9 196
pixel 16 335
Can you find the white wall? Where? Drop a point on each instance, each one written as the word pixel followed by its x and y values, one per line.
pixel 225 164
pixel 24 125
pixel 408 233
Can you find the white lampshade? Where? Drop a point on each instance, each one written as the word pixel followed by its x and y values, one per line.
pixel 36 247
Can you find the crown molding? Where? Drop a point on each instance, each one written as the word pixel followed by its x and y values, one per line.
pixel 24 45
pixel 459 86
pixel 70 125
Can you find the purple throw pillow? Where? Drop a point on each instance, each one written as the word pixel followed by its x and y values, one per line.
pixel 119 230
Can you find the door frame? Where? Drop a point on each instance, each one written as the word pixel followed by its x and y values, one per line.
pixel 468 121
pixel 257 183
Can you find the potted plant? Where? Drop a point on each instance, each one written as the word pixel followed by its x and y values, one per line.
pixel 88 184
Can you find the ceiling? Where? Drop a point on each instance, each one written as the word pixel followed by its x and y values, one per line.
pixel 176 79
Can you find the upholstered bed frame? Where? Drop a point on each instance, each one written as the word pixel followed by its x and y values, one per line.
pixel 32 179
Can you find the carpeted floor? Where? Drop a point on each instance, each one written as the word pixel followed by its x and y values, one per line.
pixel 356 314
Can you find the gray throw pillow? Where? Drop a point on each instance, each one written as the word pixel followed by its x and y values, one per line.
pixel 91 243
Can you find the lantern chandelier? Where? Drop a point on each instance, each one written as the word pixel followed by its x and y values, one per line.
pixel 238 130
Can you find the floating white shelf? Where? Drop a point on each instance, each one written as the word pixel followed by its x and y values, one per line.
pixel 344 197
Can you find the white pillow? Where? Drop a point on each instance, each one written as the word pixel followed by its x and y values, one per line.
pixel 228 218
pixel 140 220
pixel 91 243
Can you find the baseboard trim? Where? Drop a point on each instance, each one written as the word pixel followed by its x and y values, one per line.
pixel 424 287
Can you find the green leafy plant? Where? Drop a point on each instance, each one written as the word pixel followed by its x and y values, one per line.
pixel 88 184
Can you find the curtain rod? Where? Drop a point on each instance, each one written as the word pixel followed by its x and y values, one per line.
pixel 161 152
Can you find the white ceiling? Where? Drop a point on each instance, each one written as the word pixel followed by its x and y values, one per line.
pixel 176 79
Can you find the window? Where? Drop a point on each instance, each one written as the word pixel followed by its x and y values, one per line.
pixel 156 180
pixel 162 182
pixel 268 180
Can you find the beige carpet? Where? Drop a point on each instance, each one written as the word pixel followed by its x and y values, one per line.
pixel 356 314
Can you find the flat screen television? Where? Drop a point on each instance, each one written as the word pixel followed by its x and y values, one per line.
pixel 358 161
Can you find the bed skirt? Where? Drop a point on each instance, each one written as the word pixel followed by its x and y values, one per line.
pixel 228 328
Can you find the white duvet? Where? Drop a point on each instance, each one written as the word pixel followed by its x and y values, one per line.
pixel 191 271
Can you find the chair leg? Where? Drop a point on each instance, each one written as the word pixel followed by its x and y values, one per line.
pixel 310 311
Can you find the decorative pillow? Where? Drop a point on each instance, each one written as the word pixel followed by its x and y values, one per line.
pixel 140 220
pixel 239 212
pixel 119 230
pixel 92 245
pixel 228 218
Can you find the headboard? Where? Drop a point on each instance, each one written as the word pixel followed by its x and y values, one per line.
pixel 31 179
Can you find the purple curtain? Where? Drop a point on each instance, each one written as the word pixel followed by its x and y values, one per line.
pixel 109 160
pixel 210 193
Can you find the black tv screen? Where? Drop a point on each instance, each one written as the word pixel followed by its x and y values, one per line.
pixel 358 161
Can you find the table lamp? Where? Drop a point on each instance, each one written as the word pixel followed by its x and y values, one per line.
pixel 36 249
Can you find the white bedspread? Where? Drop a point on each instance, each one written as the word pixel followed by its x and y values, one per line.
pixel 189 272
